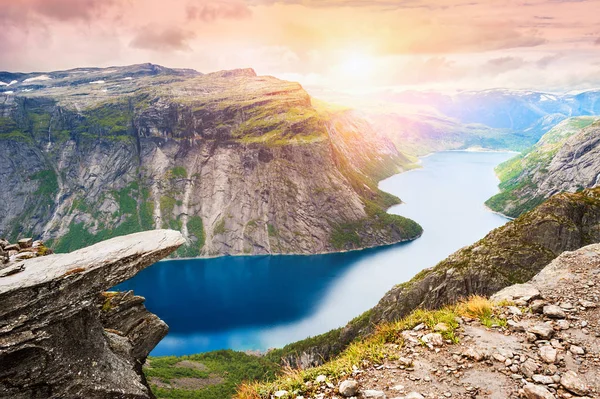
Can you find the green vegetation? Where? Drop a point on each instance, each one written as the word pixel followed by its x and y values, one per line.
pixel 271 230
pixel 195 229
pixel 347 235
pixel 213 375
pixel 179 172
pixel 220 227
pixel 517 175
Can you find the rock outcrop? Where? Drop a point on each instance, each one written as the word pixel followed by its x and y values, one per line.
pixel 566 159
pixel 63 336
pixel 509 255
pixel 239 163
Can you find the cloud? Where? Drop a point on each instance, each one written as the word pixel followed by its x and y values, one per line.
pixel 26 12
pixel 597 42
pixel 167 39
pixel 214 10
pixel 547 60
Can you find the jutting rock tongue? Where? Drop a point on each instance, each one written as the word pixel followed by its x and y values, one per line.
pixel 62 336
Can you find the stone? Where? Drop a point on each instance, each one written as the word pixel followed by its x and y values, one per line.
pixel 46 341
pixel 572 383
pixel 515 311
pixel 587 304
pixel 404 361
pixel 498 357
pixel 537 306
pixel 529 368
pixel 548 354
pixel 542 379
pixel 515 325
pixel 281 393
pixel 348 388
pixel 4 243
pixel 576 350
pixel 554 312
pixel 533 391
pixel 525 292
pixel 419 327
pixel 25 242
pixel 542 330
pixel 414 395
pixel 373 394
pixel 12 247
pixel 321 378
pixel 474 354
pixel 441 327
pixel 563 324
pixel 433 339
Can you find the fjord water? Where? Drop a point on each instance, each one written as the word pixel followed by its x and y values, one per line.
pixel 258 302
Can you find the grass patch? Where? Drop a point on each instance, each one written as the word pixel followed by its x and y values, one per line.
pixel 232 367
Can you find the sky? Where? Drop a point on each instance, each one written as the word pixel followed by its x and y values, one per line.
pixel 353 46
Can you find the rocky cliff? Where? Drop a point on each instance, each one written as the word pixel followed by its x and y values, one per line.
pixel 63 336
pixel 511 254
pixel 567 158
pixel 240 164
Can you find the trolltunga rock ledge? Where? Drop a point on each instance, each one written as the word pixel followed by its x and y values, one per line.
pixel 62 336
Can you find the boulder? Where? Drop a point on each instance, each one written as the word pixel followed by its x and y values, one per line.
pixel 554 312
pixel 56 339
pixel 25 242
pixel 533 391
pixel 572 383
pixel 524 292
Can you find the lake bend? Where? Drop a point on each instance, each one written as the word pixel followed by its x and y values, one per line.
pixel 260 302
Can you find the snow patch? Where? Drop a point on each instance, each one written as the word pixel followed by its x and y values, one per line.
pixel 12 83
pixel 97 82
pixel 8 92
pixel 3 84
pixel 37 78
pixel 26 90
pixel 128 78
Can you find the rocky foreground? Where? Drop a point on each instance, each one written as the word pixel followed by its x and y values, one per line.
pixel 63 336
pixel 540 340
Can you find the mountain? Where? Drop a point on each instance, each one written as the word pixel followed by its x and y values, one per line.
pixel 508 255
pixel 422 122
pixel 240 164
pixel 567 158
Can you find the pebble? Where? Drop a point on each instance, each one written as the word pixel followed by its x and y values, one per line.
pixel 548 354
pixel 414 395
pixel 348 388
pixel 434 339
pixel 576 350
pixel 373 394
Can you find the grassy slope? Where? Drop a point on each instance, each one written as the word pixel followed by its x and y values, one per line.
pixel 516 174
pixel 372 349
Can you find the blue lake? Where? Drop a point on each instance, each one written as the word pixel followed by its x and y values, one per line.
pixel 259 302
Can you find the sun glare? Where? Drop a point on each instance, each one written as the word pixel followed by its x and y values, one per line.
pixel 357 66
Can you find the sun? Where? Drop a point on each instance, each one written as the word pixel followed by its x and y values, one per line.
pixel 357 65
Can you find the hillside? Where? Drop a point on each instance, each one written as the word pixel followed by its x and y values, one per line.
pixel 565 159
pixel 240 164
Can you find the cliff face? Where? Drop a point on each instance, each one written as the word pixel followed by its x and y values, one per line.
pixel 237 163
pixel 567 158
pixel 511 254
pixel 63 336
